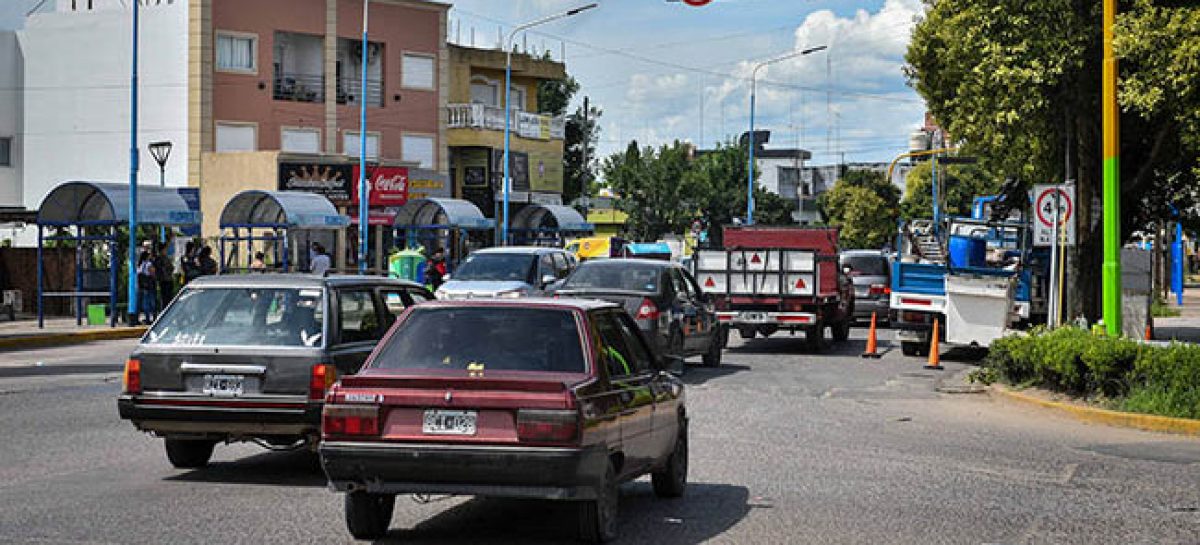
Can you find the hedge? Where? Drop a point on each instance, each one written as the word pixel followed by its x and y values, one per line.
pixel 1121 373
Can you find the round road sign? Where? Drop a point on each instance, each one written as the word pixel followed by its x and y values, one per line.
pixel 1045 207
pixel 696 3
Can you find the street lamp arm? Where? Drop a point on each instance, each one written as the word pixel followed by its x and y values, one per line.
pixel 544 20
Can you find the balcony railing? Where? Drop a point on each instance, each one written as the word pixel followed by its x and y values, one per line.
pixel 299 87
pixel 349 91
pixel 527 125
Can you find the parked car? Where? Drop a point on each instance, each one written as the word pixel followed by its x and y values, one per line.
pixel 249 357
pixel 531 398
pixel 508 271
pixel 870 270
pixel 676 316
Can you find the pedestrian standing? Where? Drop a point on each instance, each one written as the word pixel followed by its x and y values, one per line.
pixel 146 284
pixel 320 261
pixel 435 270
pixel 188 265
pixel 205 262
pixel 164 272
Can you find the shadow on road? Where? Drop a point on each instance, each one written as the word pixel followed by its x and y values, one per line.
pixel 295 468
pixel 704 512
pixel 795 345
pixel 699 375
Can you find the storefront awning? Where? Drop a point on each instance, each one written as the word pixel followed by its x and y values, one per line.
pixel 442 213
pixel 107 203
pixel 551 217
pixel 281 209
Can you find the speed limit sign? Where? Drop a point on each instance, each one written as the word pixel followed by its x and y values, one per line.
pixel 1051 204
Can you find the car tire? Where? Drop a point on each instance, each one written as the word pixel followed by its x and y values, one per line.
pixel 598 517
pixel 368 516
pixel 724 336
pixel 814 337
pixel 712 358
pixel 189 453
pixel 841 331
pixel 671 481
pixel 747 333
pixel 675 345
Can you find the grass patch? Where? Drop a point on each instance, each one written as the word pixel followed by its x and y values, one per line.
pixel 1114 372
pixel 1160 309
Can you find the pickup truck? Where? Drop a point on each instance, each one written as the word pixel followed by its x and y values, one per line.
pixel 768 279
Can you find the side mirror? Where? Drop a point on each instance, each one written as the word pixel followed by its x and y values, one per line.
pixel 548 279
pixel 847 270
pixel 674 364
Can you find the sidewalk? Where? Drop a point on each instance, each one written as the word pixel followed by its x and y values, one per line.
pixel 24 333
pixel 1186 326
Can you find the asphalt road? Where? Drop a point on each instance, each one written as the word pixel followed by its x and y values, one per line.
pixel 787 447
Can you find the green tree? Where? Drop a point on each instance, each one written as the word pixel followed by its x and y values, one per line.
pixel 960 184
pixel 654 188
pixel 864 206
pixel 580 134
pixel 720 177
pixel 1017 80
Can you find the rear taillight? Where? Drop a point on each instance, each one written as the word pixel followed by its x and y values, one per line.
pixel 879 289
pixel 350 420
pixel 323 376
pixel 647 310
pixel 547 426
pixel 132 379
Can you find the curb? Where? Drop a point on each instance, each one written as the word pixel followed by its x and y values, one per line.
pixel 1148 422
pixel 74 337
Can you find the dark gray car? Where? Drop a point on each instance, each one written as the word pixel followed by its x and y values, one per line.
pixel 870 270
pixel 249 357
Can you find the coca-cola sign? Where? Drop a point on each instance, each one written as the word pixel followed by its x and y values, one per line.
pixel 387 186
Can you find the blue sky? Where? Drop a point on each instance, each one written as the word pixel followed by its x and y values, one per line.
pixel 648 63
pixel 663 71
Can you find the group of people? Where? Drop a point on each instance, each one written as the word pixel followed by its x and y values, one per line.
pixel 156 275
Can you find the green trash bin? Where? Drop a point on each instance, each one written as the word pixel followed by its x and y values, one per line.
pixel 403 264
pixel 95 314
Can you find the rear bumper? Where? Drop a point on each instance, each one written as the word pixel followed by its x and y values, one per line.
pixel 221 418
pixel 863 308
pixel 782 320
pixel 482 470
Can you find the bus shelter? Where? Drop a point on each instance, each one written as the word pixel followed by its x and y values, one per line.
pixel 454 224
pixel 547 225
pixel 88 216
pixel 270 218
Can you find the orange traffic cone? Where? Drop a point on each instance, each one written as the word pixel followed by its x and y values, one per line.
pixel 1149 336
pixel 935 360
pixel 871 344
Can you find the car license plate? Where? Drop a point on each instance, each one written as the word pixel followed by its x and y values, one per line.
pixel 441 422
pixel 223 385
pixel 754 317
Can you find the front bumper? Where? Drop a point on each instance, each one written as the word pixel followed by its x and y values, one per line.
pixel 483 470
pixel 166 415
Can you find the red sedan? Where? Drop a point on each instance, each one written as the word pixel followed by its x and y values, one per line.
pixel 530 398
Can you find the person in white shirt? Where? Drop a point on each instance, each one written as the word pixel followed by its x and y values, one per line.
pixel 320 261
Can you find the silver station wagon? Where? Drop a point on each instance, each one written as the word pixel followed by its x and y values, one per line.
pixel 249 358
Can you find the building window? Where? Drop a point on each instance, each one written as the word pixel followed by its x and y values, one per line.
pixel 5 151
pixel 237 52
pixel 484 91
pixel 300 140
pixel 417 71
pixel 350 141
pixel 237 136
pixel 418 149
pixel 516 98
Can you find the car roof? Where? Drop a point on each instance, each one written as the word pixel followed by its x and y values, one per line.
pixel 583 305
pixel 617 262
pixel 521 250
pixel 296 280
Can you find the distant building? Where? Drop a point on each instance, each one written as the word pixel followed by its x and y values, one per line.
pixel 11 128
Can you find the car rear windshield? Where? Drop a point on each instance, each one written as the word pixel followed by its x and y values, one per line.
pixel 614 275
pixel 242 317
pixel 497 267
pixel 485 338
pixel 866 265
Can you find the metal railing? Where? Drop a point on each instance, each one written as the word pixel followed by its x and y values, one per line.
pixel 299 87
pixel 349 91
pixel 524 124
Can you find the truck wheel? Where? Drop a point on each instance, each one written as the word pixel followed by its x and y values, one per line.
pixel 724 336
pixel 712 358
pixel 671 481
pixel 747 332
pixel 369 515
pixel 598 517
pixel 912 348
pixel 189 453
pixel 814 337
pixel 841 330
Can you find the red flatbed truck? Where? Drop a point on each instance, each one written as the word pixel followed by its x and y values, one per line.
pixel 768 279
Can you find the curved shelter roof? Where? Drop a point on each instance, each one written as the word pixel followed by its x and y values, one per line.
pixel 281 209
pixel 107 203
pixel 442 213
pixel 550 217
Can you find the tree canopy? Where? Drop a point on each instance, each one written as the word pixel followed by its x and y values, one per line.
pixel 960 185
pixel 865 206
pixel 580 134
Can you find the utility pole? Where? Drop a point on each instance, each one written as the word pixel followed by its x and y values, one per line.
pixel 1112 179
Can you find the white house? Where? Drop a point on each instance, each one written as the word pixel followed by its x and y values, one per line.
pixel 10 121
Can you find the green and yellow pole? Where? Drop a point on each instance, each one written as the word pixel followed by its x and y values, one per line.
pixel 1112 180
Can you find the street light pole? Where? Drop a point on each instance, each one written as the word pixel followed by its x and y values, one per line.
pixel 750 135
pixel 161 151
pixel 133 171
pixel 363 211
pixel 508 94
pixel 1112 179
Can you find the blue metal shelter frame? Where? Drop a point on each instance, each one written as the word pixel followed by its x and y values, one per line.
pixel 275 212
pixel 438 222
pixel 99 207
pixel 548 225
